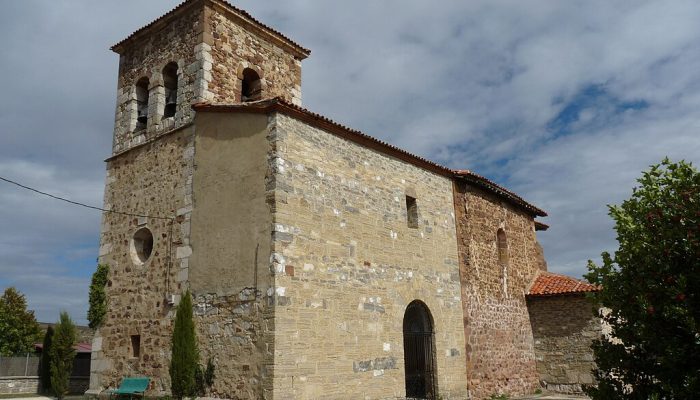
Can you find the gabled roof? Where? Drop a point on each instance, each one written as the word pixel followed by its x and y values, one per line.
pixel 551 284
pixel 300 51
pixel 321 122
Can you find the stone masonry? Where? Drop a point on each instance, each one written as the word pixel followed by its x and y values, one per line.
pixel 499 347
pixel 348 265
pixel 563 328
pixel 234 47
pixel 212 43
pixel 151 179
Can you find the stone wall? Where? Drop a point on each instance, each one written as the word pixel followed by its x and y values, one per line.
pixel 30 384
pixel 234 48
pixel 499 342
pixel 19 384
pixel 153 180
pixel 229 271
pixel 347 264
pixel 180 41
pixel 212 45
pixel 564 327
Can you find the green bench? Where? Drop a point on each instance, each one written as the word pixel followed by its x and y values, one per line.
pixel 131 386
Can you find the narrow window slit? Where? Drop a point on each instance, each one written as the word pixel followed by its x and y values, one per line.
pixel 135 346
pixel 411 212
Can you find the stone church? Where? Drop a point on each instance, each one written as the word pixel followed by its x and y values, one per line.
pixel 323 263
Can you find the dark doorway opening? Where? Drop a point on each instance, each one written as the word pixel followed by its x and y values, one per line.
pixel 419 352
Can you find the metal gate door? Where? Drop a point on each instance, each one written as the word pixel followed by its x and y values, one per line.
pixel 419 355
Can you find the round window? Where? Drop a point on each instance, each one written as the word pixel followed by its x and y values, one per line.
pixel 142 245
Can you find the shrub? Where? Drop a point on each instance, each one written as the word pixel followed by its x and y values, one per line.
pixel 62 355
pixel 98 296
pixel 45 363
pixel 651 287
pixel 185 354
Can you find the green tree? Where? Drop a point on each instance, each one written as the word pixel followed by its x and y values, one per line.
pixel 185 354
pixel 98 296
pixel 45 364
pixel 62 355
pixel 651 287
pixel 18 327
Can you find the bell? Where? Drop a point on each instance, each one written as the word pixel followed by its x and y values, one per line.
pixel 143 116
pixel 171 100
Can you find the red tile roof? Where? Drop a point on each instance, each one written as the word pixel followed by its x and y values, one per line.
pixel 301 51
pixel 550 284
pixel 78 347
pixel 280 105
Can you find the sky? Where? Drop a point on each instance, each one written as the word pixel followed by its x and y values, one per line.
pixel 563 102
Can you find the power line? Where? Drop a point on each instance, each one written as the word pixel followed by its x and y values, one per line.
pixel 80 204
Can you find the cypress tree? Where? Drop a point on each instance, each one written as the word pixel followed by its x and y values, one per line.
pixel 62 354
pixel 45 372
pixel 185 355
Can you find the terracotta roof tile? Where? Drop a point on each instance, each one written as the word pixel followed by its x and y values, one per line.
pixel 279 104
pixel 304 51
pixel 550 284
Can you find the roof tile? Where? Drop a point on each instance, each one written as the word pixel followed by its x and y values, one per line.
pixel 229 6
pixel 550 284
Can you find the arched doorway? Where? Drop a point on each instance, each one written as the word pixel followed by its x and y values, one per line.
pixel 419 351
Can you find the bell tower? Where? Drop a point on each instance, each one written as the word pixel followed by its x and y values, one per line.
pixel 201 51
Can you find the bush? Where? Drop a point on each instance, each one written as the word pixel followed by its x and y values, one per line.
pixel 45 363
pixel 18 327
pixel 651 286
pixel 98 296
pixel 188 378
pixel 185 354
pixel 62 355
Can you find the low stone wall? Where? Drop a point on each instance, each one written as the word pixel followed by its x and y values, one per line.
pixel 19 384
pixel 563 328
pixel 30 384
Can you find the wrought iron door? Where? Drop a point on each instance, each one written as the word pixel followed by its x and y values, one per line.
pixel 419 353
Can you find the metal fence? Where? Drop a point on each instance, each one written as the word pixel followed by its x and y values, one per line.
pixel 29 366
pixel 20 366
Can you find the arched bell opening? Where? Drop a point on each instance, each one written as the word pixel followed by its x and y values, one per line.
pixel 419 352
pixel 170 86
pixel 251 87
pixel 142 103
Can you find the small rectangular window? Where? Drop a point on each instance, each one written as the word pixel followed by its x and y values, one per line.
pixel 135 346
pixel 411 212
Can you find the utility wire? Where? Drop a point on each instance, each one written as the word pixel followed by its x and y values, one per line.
pixel 81 204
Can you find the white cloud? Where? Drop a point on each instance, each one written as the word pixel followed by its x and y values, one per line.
pixel 469 84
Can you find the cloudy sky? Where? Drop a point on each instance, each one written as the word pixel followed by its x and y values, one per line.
pixel 565 102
